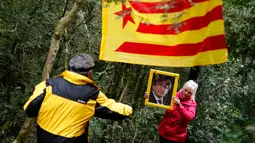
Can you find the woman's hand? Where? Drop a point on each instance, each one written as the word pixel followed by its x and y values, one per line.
pixel 177 101
pixel 146 95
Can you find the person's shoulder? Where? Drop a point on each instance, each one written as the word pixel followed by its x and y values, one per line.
pixel 151 94
pixel 190 103
pixel 193 102
pixel 152 98
pixel 178 94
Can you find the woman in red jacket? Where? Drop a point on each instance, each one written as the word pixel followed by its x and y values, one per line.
pixel 173 127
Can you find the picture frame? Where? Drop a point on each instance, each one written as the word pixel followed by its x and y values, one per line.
pixel 162 88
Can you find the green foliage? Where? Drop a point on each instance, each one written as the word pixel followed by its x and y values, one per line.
pixel 25 32
pixel 221 103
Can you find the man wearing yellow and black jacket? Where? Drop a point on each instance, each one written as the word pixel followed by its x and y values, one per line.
pixel 64 105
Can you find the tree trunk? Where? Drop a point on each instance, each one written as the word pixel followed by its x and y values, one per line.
pixel 194 73
pixel 54 47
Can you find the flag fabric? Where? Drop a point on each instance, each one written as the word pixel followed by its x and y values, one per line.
pixel 173 33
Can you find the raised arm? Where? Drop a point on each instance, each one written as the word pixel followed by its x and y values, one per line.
pixel 109 109
pixel 189 113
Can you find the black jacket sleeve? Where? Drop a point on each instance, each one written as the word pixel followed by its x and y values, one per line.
pixel 109 109
pixel 32 106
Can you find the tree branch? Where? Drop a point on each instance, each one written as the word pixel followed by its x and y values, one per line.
pixel 58 33
pixel 64 12
pixel 123 93
pixel 54 47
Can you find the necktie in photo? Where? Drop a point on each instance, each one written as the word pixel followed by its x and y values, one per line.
pixel 160 101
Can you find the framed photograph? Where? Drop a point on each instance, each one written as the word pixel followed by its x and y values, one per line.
pixel 162 87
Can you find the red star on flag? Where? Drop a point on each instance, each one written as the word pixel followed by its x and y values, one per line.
pixel 125 13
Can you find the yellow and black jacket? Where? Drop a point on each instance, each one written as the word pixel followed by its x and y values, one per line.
pixel 65 104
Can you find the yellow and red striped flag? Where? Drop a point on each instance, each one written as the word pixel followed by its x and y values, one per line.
pixel 173 33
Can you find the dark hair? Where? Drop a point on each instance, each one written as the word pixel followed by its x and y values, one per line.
pixel 160 78
pixel 81 64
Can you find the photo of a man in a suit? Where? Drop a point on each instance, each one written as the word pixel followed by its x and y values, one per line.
pixel 161 89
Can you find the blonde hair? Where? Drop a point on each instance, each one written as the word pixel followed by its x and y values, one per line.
pixel 193 86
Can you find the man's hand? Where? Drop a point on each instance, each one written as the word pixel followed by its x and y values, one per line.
pixel 177 101
pixel 146 95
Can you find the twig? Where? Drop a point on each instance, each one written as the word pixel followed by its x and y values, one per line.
pixel 134 136
pixel 219 86
pixel 12 30
pixel 64 12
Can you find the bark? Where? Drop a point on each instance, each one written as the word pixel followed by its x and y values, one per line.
pixel 54 47
pixel 58 33
pixel 194 73
pixel 123 92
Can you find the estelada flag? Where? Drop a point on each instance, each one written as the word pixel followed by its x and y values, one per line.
pixel 173 33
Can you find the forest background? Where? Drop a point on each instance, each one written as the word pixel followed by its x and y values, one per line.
pixel 226 94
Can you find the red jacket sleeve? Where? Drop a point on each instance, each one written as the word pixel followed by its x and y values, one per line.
pixel 187 113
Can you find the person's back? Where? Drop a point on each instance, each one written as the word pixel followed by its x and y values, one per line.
pixel 64 105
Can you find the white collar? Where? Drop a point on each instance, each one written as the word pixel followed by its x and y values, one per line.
pixel 156 97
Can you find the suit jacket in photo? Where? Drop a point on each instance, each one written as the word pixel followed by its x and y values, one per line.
pixel 166 99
